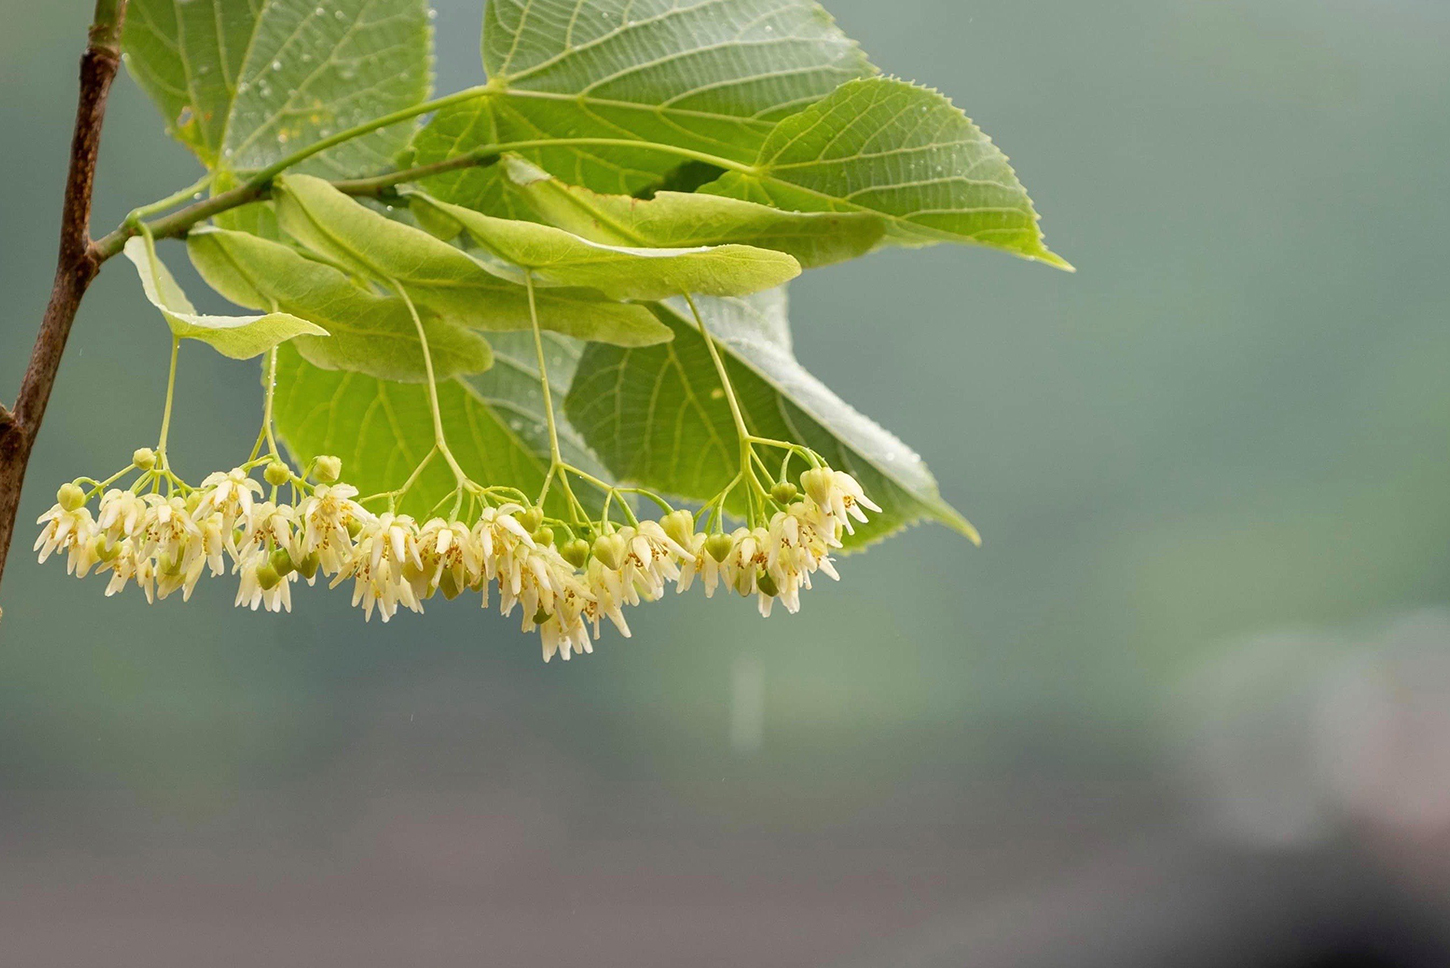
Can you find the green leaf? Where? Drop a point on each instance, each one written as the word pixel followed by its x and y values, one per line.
pixel 443 277
pixel 711 76
pixel 494 423
pixel 244 82
pixel 240 337
pixel 906 152
pixel 658 416
pixel 560 258
pixel 371 334
pixel 671 219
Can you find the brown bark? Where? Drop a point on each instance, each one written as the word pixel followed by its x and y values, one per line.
pixel 76 265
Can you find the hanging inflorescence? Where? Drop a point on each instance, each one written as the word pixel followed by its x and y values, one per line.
pixel 163 536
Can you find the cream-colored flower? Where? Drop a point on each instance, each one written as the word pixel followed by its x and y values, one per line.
pixel 795 550
pixel 228 493
pixel 71 531
pixel 168 531
pixel 384 548
pixel 539 579
pixel 498 534
pixel 268 523
pixel 564 635
pixel 838 497
pixel 327 518
pixel 121 514
pixel 261 584
pixel 126 566
pixel 452 559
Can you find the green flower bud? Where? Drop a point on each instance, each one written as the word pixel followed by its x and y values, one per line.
pixel 277 474
pixel 784 493
pixel 449 585
pixel 531 519
pixel 267 577
pixel 819 482
pixel 308 566
pixel 610 549
pixel 105 550
pixel 541 616
pixel 576 552
pixel 144 458
pixel 719 545
pixel 679 525
pixel 354 527
pixel 70 497
pixel 543 536
pixel 327 469
pixel 765 583
pixel 193 501
pixel 282 563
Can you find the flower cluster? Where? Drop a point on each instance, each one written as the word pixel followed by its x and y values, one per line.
pixel 565 589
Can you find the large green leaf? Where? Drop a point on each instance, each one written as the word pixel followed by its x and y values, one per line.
pixel 243 82
pixel 560 258
pixel 906 152
pixel 707 75
pixel 441 276
pixel 240 337
pixel 686 219
pixel 370 333
pixel 494 423
pixel 659 415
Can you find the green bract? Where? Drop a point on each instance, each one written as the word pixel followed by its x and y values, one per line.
pixel 559 258
pixel 240 337
pixel 440 276
pixel 370 333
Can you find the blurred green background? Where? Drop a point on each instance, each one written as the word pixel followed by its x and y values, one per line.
pixel 1233 419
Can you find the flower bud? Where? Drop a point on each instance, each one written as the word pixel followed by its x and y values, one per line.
pixel 819 482
pixel 70 497
pixel 719 545
pixel 610 549
pixel 327 469
pixel 193 501
pixel 144 458
pixel 448 585
pixel 308 566
pixel 281 562
pixel 767 584
pixel 576 552
pixel 541 616
pixel 277 474
pixel 354 527
pixel 531 519
pixel 543 536
pixel 267 577
pixel 784 493
pixel 680 526
pixel 104 550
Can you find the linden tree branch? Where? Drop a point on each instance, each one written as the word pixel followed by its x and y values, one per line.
pixel 76 265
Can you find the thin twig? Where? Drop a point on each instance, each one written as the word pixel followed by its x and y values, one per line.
pixel 75 267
